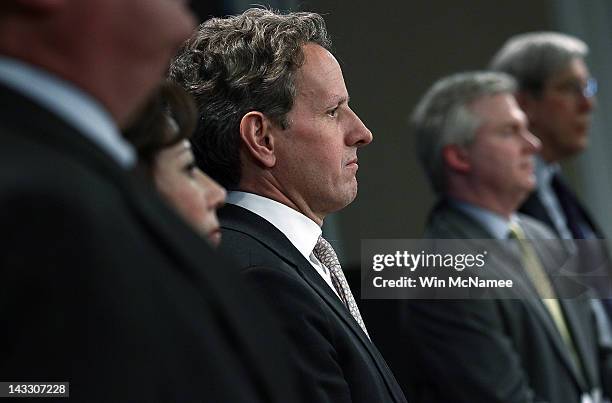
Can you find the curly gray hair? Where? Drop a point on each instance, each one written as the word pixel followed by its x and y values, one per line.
pixel 239 64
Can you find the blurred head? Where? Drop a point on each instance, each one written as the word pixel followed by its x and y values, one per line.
pixel 116 50
pixel 161 138
pixel 556 90
pixel 473 141
pixel 276 105
pixel 193 193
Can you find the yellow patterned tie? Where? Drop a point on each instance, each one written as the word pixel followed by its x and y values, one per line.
pixel 327 256
pixel 542 284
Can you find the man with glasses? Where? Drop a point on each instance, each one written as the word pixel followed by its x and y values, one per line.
pixel 509 345
pixel 557 93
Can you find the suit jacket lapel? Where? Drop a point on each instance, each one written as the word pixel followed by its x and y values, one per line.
pixel 553 262
pixel 322 289
pixel 239 219
pixel 573 209
pixel 581 343
pixel 533 207
pixel 507 262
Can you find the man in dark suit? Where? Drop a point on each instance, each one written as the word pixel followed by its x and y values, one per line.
pixel 513 346
pixel 102 285
pixel 557 93
pixel 277 130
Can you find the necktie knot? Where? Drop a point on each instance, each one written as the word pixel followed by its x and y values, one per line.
pixel 325 253
pixel 516 232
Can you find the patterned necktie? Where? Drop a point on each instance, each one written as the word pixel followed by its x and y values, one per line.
pixel 543 286
pixel 327 256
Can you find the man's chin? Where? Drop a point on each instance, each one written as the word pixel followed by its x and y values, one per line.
pixel 345 198
pixel 575 148
pixel 525 187
pixel 583 143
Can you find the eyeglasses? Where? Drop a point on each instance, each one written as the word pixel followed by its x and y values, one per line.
pixel 575 88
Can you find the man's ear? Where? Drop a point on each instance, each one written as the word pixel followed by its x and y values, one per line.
pixel 456 158
pixel 255 134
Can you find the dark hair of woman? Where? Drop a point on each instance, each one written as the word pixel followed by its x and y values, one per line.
pixel 169 117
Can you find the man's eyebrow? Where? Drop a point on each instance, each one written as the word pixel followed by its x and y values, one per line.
pixel 339 100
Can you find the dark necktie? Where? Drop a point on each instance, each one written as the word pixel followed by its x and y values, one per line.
pixel 576 221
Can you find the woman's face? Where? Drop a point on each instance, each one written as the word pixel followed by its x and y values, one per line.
pixel 193 193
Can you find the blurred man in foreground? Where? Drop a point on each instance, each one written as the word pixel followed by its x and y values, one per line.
pixel 102 285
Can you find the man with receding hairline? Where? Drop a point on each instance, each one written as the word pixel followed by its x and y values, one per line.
pixel 278 132
pixel 557 92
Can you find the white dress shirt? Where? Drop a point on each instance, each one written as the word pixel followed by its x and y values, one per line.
pixel 301 231
pixel 71 104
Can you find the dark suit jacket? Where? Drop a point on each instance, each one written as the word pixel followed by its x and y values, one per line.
pixel 593 253
pixel 337 361
pixel 596 265
pixel 104 287
pixel 493 350
pixel 533 207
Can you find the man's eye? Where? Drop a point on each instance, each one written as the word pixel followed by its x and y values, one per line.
pixel 333 112
pixel 509 131
pixel 190 169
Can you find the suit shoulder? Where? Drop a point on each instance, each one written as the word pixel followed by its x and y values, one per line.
pixel 445 222
pixel 266 269
pixel 247 251
pixel 28 166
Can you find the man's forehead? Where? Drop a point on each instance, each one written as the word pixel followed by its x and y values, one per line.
pixel 498 109
pixel 575 68
pixel 320 76
pixel 490 101
pixel 315 52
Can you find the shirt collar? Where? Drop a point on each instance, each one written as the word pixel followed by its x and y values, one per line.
pixel 495 224
pixel 70 103
pixel 544 171
pixel 301 231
